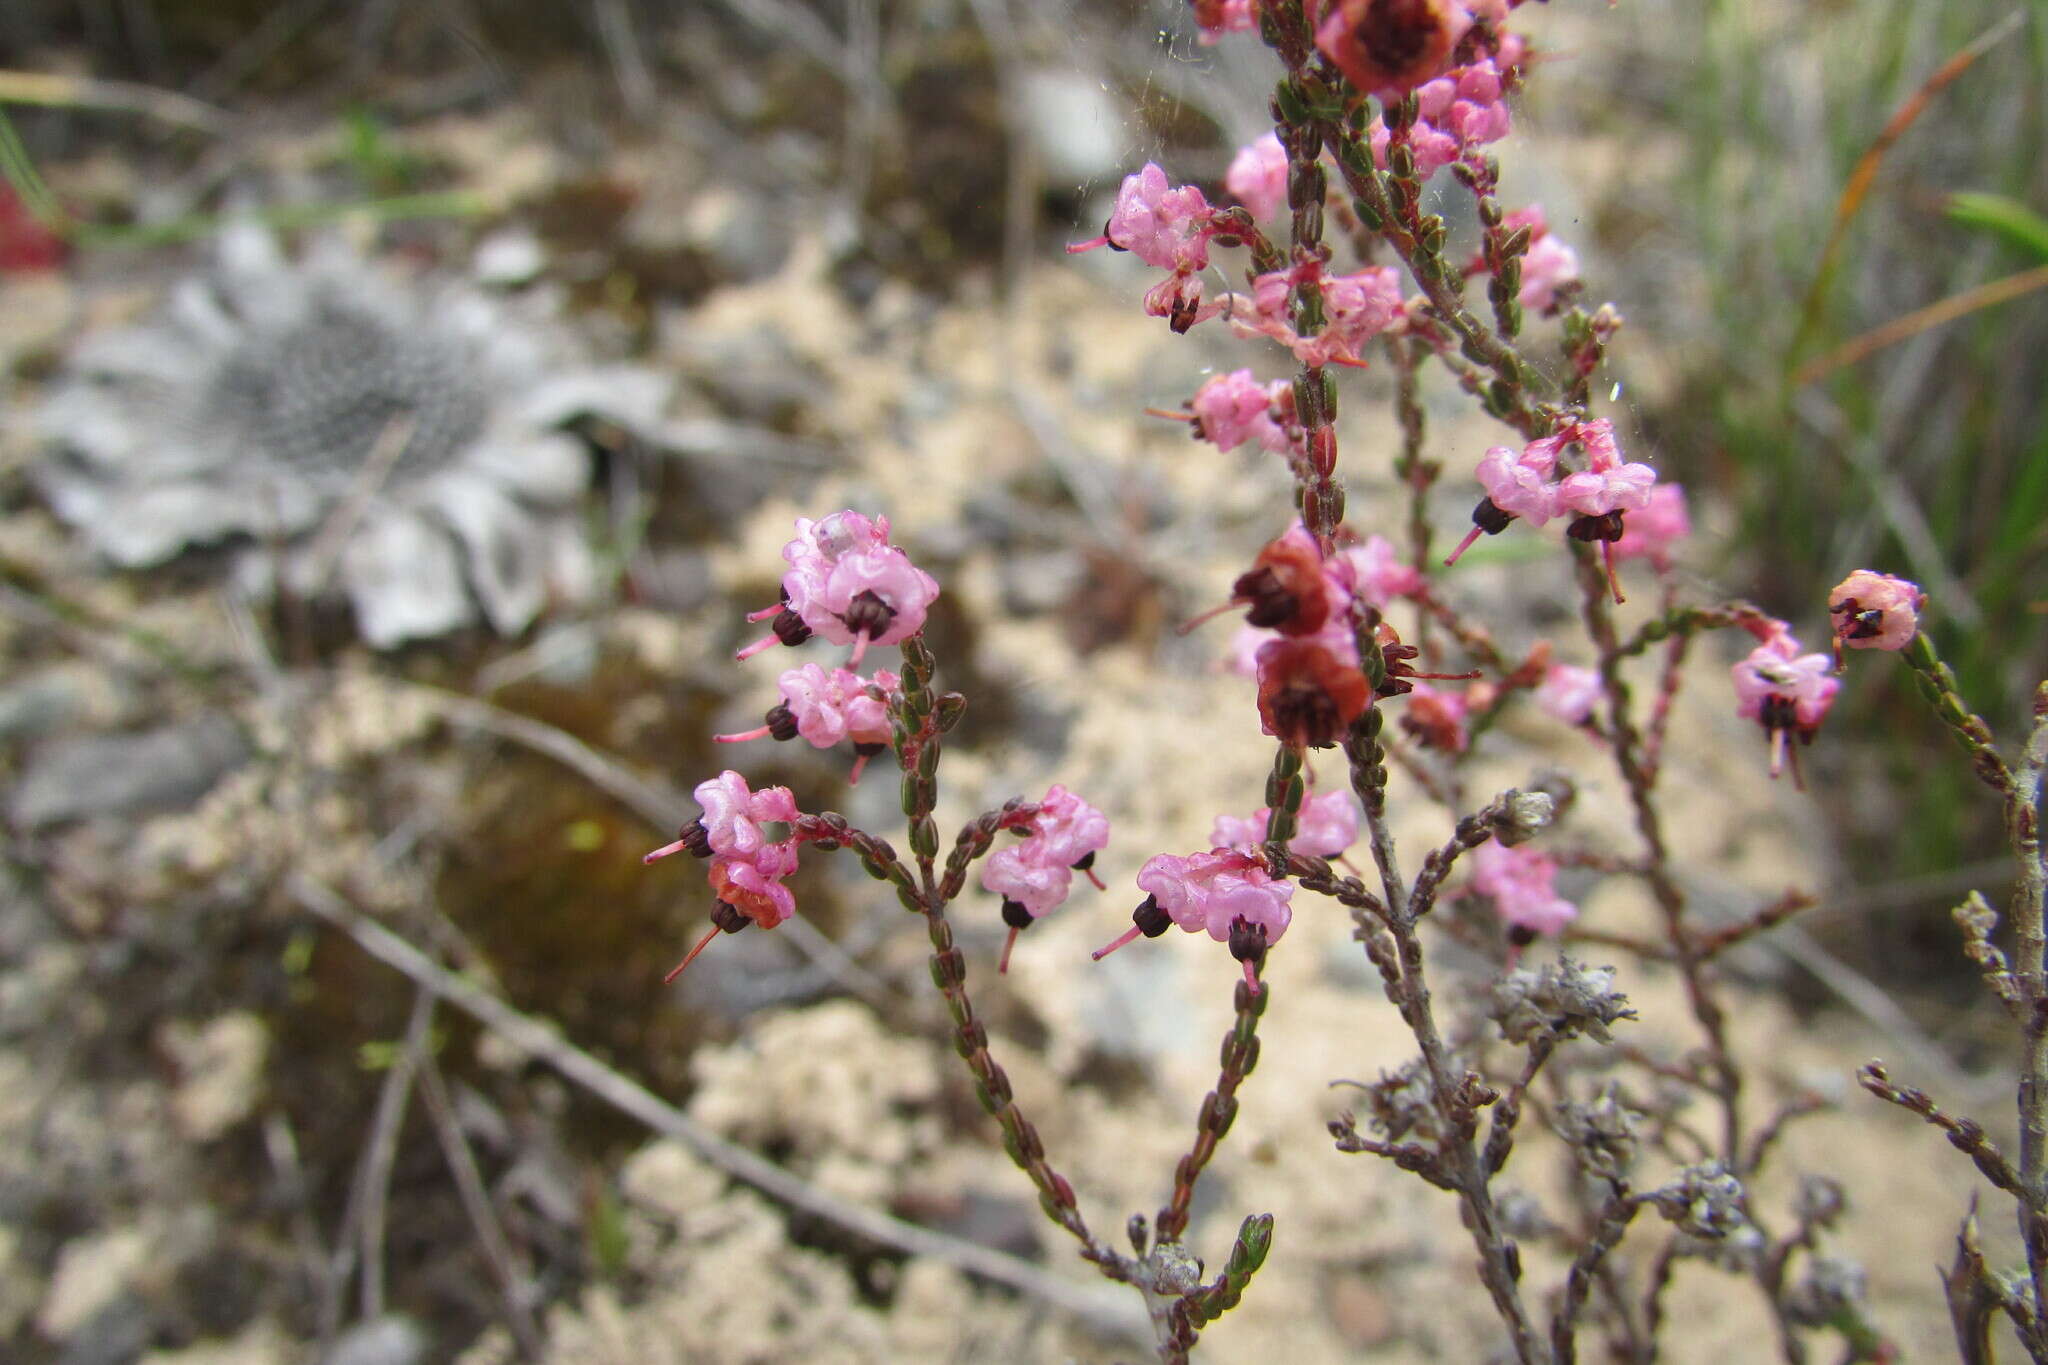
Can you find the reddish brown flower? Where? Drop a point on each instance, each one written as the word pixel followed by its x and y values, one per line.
pixel 1308 696
pixel 1388 47
pixel 1285 587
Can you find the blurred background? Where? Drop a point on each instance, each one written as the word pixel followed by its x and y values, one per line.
pixel 403 404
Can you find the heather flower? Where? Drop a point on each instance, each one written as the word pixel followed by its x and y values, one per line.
pixel 745 834
pixel 1657 528
pixel 401 441
pixel 1182 300
pixel 1258 176
pixel 1357 307
pixel 1570 693
pixel 1225 893
pixel 1286 588
pixel 1787 692
pixel 732 821
pixel 1163 226
pixel 1233 408
pixel 1373 572
pixel 1215 18
pixel 1518 483
pixel 826 708
pixel 1388 47
pixel 1455 114
pixel 1034 877
pixel 1521 883
pixel 1437 718
pixel 1308 696
pixel 1325 827
pixel 848 584
pixel 1547 267
pixel 1871 610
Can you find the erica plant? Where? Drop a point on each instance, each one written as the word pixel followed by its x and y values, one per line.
pixel 1320 256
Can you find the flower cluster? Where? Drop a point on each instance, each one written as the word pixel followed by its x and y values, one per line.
pixel 1527 484
pixel 1226 893
pixel 1167 227
pixel 1356 308
pixel 847 583
pixel 750 840
pixel 1034 876
pixel 1456 114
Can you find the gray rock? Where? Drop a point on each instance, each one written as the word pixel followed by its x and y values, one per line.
pixel 122 774
pixel 389 1340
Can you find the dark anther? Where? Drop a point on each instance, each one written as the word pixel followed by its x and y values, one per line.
pixel 1778 712
pixel 1489 518
pixel 1087 861
pixel 1270 600
pixel 1107 237
pixel 696 838
pixel 869 750
pixel 867 614
pixel 1521 935
pixel 1247 940
pixel 789 627
pixel 1860 624
pixel 1606 526
pixel 1016 916
pixel 728 918
pixel 782 722
pixel 1150 919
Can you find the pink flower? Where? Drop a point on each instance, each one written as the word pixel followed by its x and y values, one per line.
pixel 847 583
pixel 758 895
pixel 731 825
pixel 1179 298
pixel 1519 484
pixel 1225 893
pixel 1258 176
pixel 1357 308
pixel 1437 718
pixel 1432 148
pixel 749 855
pixel 1215 18
pixel 1570 693
pixel 1658 527
pixel 1233 408
pixel 1067 831
pixel 1607 485
pixel 1327 825
pixel 1161 225
pixel 1786 692
pixel 1521 882
pixel 1035 876
pixel 1871 610
pixel 1456 114
pixel 830 707
pixel 1374 573
pixel 1547 267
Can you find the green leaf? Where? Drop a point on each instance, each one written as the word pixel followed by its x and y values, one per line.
pixel 2002 217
